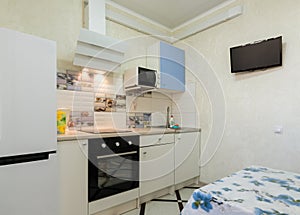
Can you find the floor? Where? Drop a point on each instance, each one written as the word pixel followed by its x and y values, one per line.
pixel 170 204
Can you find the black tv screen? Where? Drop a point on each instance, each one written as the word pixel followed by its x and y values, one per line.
pixel 255 56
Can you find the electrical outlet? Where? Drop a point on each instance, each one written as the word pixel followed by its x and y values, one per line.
pixel 278 129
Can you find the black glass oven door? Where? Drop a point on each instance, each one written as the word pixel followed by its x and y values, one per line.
pixel 113 174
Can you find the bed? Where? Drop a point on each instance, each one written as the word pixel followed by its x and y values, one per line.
pixel 254 190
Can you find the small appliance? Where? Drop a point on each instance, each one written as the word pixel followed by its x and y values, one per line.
pixel 141 78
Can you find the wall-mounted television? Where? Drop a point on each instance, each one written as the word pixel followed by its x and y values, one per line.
pixel 256 56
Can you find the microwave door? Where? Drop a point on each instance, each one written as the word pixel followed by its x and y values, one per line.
pixel 147 77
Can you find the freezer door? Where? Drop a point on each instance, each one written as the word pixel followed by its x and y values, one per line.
pixel 27 94
pixel 30 188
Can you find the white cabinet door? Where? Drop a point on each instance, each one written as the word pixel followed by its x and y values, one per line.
pixel 156 168
pixel 187 156
pixel 72 157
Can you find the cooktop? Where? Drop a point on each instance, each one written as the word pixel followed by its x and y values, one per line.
pixel 105 130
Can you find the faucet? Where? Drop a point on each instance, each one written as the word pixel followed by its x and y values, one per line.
pixel 168 117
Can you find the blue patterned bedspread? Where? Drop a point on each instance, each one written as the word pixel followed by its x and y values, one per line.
pixel 254 190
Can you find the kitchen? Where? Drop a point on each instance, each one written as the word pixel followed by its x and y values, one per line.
pixel 115 166
pixel 141 113
pixel 226 107
pixel 81 97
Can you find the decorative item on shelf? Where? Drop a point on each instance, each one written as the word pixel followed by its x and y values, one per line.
pixel 173 125
pixel 176 126
pixel 62 117
pixel 172 121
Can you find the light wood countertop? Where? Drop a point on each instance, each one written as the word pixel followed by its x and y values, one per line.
pixel 80 135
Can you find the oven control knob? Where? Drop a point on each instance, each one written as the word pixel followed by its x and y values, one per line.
pixel 103 145
pixel 117 144
pixel 129 143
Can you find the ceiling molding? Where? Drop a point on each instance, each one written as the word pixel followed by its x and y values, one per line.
pixel 136 25
pixel 215 20
pixel 137 15
pixel 203 15
pixel 137 21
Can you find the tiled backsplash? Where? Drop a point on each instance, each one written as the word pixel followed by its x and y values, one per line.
pixel 138 120
pixel 74 80
pixel 99 100
pixel 184 107
pixel 109 103
pixel 81 119
pixel 149 109
pixel 110 120
pixel 94 99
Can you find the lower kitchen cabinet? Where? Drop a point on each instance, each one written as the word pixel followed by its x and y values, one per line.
pixel 187 156
pixel 168 160
pixel 73 177
pixel 156 164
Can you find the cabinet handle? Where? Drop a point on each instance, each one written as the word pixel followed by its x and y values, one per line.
pixel 83 143
pixel 144 153
pixel 159 139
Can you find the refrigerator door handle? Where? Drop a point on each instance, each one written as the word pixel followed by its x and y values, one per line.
pixel 16 159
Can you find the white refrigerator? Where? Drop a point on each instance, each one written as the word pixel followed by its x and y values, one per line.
pixel 28 145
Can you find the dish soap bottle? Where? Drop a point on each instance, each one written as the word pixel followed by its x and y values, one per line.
pixel 172 121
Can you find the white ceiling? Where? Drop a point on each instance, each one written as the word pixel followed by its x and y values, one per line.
pixel 170 13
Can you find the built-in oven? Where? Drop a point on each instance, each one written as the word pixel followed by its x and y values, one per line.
pixel 113 166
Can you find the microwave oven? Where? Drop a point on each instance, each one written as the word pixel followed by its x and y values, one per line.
pixel 141 78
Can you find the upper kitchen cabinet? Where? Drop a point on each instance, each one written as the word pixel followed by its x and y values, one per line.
pixel 98 51
pixel 169 61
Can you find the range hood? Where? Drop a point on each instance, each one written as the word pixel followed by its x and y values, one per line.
pixel 94 49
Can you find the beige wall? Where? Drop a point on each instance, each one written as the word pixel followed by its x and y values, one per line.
pixel 257 101
pixel 58 20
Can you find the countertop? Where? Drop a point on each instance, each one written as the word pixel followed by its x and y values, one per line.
pixel 80 135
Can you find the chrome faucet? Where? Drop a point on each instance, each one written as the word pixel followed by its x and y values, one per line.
pixel 168 118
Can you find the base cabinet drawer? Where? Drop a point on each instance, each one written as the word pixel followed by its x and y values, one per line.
pixel 151 140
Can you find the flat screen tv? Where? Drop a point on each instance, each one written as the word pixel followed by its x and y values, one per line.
pixel 256 56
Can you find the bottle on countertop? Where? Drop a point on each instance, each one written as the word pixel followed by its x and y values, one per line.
pixel 172 121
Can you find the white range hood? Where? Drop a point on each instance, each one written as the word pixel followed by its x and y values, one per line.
pixel 94 49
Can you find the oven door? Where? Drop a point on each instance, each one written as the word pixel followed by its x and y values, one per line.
pixel 147 77
pixel 113 173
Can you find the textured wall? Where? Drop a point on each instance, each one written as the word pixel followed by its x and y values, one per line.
pixel 55 20
pixel 256 101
